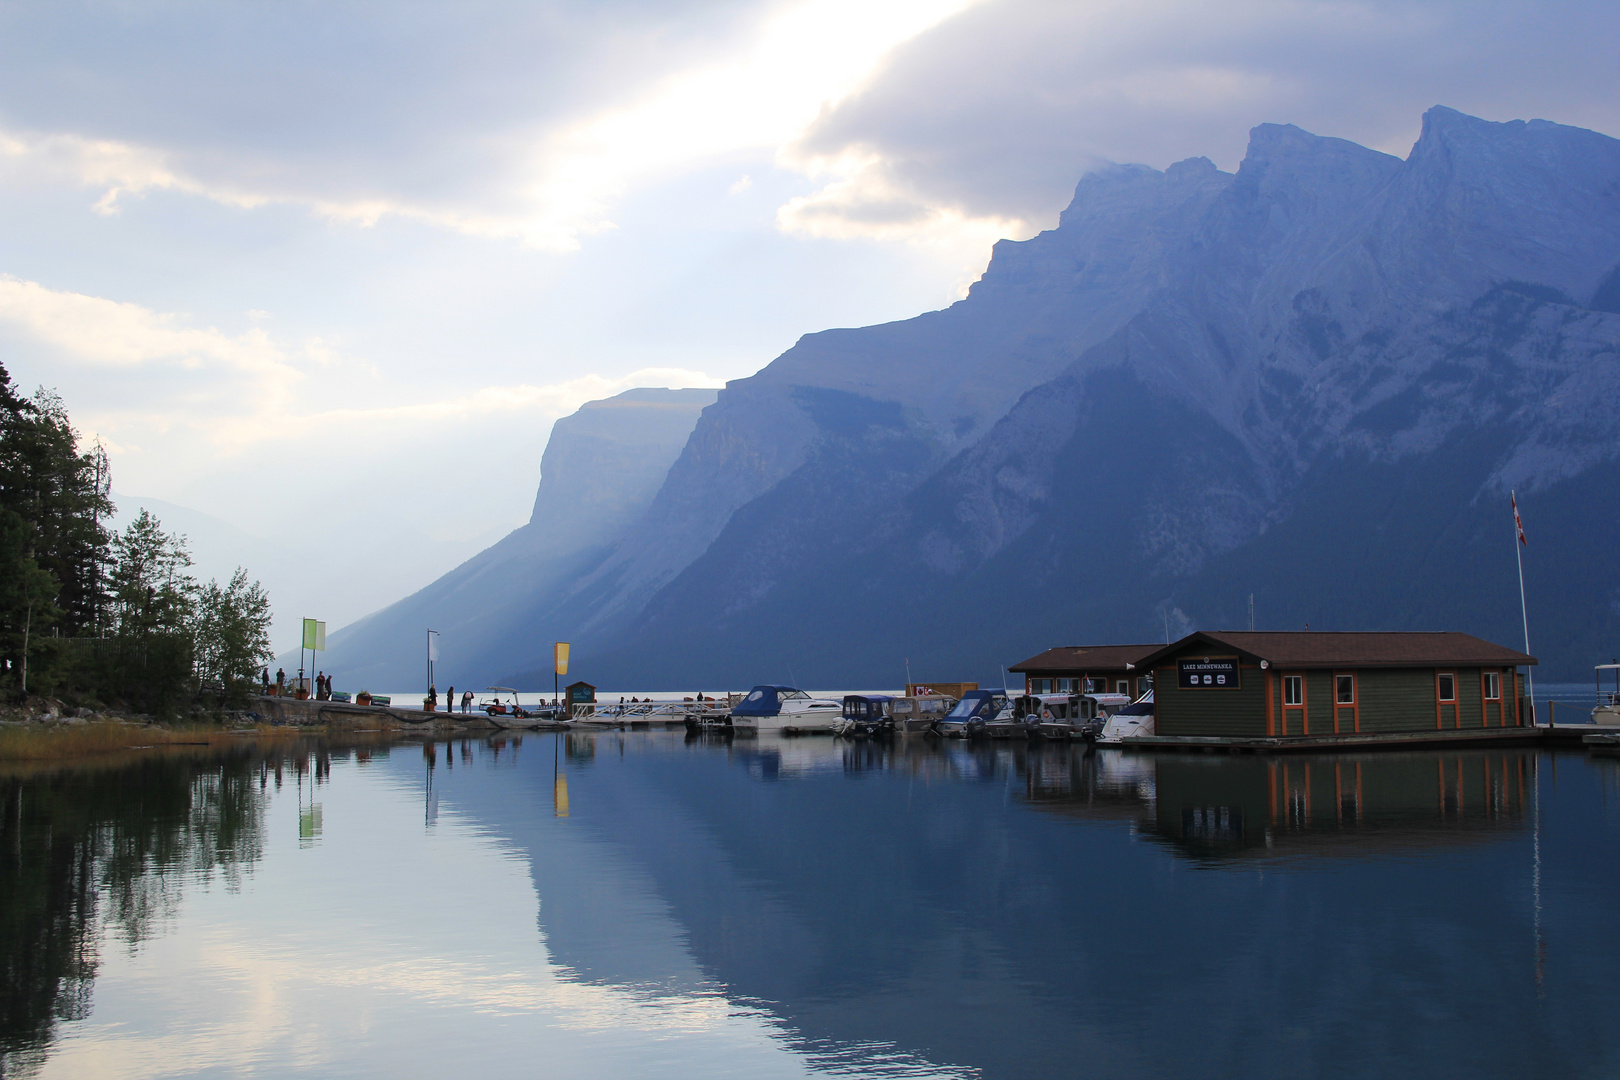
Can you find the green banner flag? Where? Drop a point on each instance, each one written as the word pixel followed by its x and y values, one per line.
pixel 315 635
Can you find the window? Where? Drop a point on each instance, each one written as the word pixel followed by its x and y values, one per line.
pixel 1293 689
pixel 1065 686
pixel 1448 687
pixel 1040 686
pixel 1493 686
pixel 1123 686
pixel 1344 689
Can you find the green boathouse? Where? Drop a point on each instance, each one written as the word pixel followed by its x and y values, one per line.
pixel 1250 685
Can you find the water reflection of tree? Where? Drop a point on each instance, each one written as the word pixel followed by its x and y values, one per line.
pixel 86 852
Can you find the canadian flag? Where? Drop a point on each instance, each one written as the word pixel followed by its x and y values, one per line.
pixel 1517 524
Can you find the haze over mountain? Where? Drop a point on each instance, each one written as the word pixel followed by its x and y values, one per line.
pixel 1315 381
pixel 601 469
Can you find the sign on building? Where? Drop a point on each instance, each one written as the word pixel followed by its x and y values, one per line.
pixel 1207 673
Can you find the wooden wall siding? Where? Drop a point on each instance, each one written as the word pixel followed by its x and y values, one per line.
pixel 1238 713
pixel 1319 702
pixel 1397 699
pixel 1388 701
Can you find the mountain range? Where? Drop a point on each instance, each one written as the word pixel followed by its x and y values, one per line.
pixel 1313 382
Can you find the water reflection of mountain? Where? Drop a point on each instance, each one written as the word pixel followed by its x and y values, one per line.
pixel 993 907
pixel 109 848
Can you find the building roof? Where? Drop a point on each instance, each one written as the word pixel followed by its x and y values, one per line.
pixel 1351 649
pixel 1087 658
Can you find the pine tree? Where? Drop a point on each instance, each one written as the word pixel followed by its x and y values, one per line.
pixel 151 591
pixel 60 495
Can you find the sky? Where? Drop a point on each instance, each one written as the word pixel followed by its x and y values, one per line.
pixel 321 276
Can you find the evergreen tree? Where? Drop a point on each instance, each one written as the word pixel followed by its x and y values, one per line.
pixel 231 633
pixel 60 495
pixel 27 605
pixel 151 590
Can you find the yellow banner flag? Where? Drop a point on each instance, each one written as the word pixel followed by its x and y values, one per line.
pixel 561 657
pixel 315 635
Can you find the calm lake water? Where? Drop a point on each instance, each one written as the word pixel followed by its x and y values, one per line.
pixel 645 904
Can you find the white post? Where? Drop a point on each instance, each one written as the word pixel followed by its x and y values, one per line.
pixel 1524 611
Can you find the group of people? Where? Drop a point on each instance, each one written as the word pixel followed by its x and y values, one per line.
pixel 432 702
pixel 323 683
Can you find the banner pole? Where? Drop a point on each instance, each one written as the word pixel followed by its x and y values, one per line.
pixel 1524 610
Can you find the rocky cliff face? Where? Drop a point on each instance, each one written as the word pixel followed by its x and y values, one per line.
pixel 1314 381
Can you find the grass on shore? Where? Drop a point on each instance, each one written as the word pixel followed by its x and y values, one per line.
pixel 77 741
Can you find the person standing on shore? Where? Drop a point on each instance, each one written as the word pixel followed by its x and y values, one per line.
pixel 466 701
pixel 449 699
pixel 433 698
pixel 281 680
pixel 264 682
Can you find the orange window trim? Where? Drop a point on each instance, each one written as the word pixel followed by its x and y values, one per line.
pixel 1355 702
pixel 1271 715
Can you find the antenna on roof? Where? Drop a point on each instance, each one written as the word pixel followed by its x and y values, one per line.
pixel 1251 613
pixel 1166 614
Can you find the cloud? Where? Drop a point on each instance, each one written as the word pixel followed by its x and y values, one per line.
pixel 994 114
pixel 253 376
pixel 543 163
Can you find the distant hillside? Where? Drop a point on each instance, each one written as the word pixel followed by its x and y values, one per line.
pixel 1314 381
pixel 600 470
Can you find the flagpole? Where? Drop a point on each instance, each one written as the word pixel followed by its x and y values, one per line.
pixel 1524 611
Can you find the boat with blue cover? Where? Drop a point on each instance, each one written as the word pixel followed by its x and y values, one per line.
pixel 785 708
pixel 976 709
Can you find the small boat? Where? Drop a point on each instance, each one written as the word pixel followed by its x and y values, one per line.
pixel 1607 713
pixel 866 714
pixel 1017 722
pixel 786 709
pixel 1073 716
pixel 1128 722
pixel 970 715
pixel 917 714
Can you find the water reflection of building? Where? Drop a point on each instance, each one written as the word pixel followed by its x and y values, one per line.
pixel 1213 807
pixel 982 905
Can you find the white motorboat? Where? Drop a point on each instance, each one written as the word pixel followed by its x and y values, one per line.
pixel 785 708
pixel 1129 722
pixel 1607 712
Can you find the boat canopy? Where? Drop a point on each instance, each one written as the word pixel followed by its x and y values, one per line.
pixel 973 703
pixel 764 701
pixel 867 706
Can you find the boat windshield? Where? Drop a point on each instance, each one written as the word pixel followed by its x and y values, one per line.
pixel 1141 708
pixel 794 695
pixel 966 707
